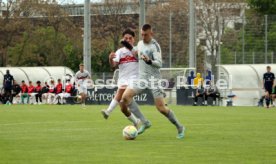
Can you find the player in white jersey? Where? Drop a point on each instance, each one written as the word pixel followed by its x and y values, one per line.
pixel 126 59
pixel 150 61
pixel 81 81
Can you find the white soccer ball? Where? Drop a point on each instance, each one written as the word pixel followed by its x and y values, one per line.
pixel 77 99
pixel 130 132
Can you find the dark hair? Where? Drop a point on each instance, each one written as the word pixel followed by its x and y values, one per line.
pixel 128 31
pixel 23 81
pixel 146 27
pixel 268 67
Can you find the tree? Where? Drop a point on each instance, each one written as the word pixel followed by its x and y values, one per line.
pixel 263 6
pixel 213 18
pixel 11 27
pixel 109 21
pixel 161 25
pixel 29 52
pixel 247 42
pixel 40 33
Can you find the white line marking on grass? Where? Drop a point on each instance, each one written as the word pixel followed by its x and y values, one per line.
pixel 45 130
pixel 213 124
pixel 39 123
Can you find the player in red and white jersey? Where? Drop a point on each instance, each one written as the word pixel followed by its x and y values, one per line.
pixel 125 58
pixel 128 66
pixel 81 79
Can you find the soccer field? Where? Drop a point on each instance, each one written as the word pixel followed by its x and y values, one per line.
pixel 48 134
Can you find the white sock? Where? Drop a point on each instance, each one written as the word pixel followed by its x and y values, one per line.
pixel 49 100
pixel 112 106
pixel 55 99
pixel 133 119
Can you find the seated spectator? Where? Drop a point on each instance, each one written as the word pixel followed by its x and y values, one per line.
pixel 200 92
pixel 16 92
pixel 44 91
pixel 31 92
pixel 51 93
pixel 198 81
pixel 24 92
pixel 38 90
pixel 211 91
pixel 69 89
pixel 58 90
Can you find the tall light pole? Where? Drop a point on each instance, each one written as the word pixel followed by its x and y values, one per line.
pixel 266 39
pixel 142 17
pixel 243 39
pixel 191 35
pixel 219 42
pixel 0 8
pixel 170 40
pixel 87 37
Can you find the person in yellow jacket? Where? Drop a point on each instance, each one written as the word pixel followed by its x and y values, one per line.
pixel 198 81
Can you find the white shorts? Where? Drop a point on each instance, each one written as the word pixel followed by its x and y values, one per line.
pixel 126 81
pixel 82 88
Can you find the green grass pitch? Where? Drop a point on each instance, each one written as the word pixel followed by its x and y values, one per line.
pixel 45 134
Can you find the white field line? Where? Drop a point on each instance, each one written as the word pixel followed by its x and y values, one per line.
pixel 41 123
pixel 43 130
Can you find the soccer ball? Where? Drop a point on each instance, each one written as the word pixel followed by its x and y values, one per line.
pixel 77 99
pixel 130 132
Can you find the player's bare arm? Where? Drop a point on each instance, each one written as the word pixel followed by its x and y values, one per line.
pixel 113 64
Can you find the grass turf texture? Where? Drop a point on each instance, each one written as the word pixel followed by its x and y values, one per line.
pixel 69 134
